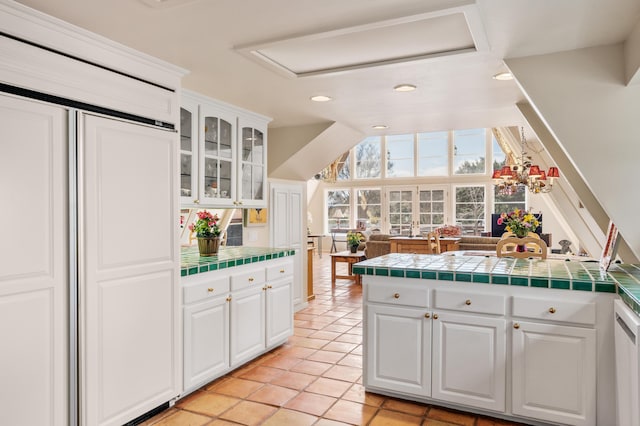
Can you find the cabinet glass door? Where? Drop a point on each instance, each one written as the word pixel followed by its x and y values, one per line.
pixel 252 163
pixel 188 153
pixel 217 159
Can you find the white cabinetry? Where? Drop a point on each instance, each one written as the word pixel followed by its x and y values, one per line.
pixel 229 320
pixel 627 327
pixel 553 365
pixel 223 154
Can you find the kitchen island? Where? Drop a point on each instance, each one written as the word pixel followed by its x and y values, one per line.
pixel 236 306
pixel 527 340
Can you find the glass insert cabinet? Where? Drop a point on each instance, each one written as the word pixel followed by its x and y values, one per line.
pixel 223 154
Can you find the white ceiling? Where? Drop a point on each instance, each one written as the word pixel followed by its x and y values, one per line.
pixel 213 40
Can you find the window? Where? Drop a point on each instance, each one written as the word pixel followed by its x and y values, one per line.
pixel 400 210
pixel 338 209
pixel 508 203
pixel 400 156
pixel 470 211
pixel 431 209
pixel 433 154
pixel 368 203
pixel 499 158
pixel 469 151
pixel 368 158
pixel 342 166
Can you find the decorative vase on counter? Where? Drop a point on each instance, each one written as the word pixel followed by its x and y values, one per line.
pixel 208 246
pixel 354 249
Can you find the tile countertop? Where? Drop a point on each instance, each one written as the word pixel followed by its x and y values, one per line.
pixel 549 273
pixel 192 263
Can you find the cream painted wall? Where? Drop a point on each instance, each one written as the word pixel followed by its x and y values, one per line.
pixel 582 98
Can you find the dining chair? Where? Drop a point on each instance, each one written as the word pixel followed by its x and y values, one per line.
pixel 433 242
pixel 534 247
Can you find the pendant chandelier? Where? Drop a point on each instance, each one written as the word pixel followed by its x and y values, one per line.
pixel 515 177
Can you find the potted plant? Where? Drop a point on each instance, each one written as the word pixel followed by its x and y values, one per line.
pixel 353 241
pixel 208 233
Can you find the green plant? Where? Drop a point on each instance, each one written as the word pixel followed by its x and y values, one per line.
pixel 354 238
pixel 206 225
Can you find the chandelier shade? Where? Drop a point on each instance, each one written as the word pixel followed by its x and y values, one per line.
pixel 514 177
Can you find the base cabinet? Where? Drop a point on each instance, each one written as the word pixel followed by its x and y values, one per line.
pixel 232 316
pixel 553 369
pixel 207 340
pixel 469 360
pixel 398 349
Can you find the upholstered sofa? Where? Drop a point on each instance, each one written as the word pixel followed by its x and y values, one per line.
pixel 473 242
pixel 377 245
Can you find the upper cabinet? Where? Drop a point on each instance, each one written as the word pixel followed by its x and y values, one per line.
pixel 223 154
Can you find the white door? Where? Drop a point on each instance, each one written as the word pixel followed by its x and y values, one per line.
pixel 247 324
pixel 469 360
pixel 554 373
pixel 206 345
pixel 279 311
pixel 400 210
pixel 431 211
pixel 287 231
pixel 128 269
pixel 398 348
pixel 34 272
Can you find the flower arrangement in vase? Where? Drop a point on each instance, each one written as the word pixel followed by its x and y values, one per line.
pixel 208 233
pixel 519 222
pixel 353 240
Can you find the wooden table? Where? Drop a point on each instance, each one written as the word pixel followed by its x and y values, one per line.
pixel 418 245
pixel 347 257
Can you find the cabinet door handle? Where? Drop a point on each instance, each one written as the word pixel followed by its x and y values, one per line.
pixel 229 299
pixel 516 326
pixel 396 296
pixel 552 310
pixel 196 201
pixel 427 315
pixel 269 286
pixel 467 302
pixel 250 279
pixel 264 288
pixel 210 289
pixel 282 271
pixel 435 316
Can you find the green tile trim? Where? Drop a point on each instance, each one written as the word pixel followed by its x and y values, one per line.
pixel 370 271
pixel 500 279
pixel 561 284
pixel 359 270
pixel 412 273
pixel 463 277
pixel 540 282
pixel 193 270
pixel 396 273
pixel 429 275
pixel 204 268
pixel 445 276
pixel 382 272
pixel 582 285
pixel 520 281
pixel 481 278
pixel 183 272
pixel 605 288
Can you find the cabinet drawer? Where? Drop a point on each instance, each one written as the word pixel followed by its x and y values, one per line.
pixel 249 278
pixel 398 294
pixel 204 288
pixel 470 301
pixel 554 310
pixel 279 270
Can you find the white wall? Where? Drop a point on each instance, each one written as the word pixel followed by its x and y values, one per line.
pixel 582 98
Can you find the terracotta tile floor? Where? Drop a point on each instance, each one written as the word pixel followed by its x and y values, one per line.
pixel 314 379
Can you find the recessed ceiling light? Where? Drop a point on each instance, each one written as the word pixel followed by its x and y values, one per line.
pixel 503 76
pixel 404 88
pixel 380 126
pixel 321 98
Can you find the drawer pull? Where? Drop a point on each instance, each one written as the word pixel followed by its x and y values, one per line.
pixel 229 299
pixel 396 296
pixel 516 326
pixel 427 315
pixel 264 288
pixel 250 279
pixel 552 310
pixel 435 316
pixel 210 289
pixel 467 302
pixel 269 286
pixel 282 271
